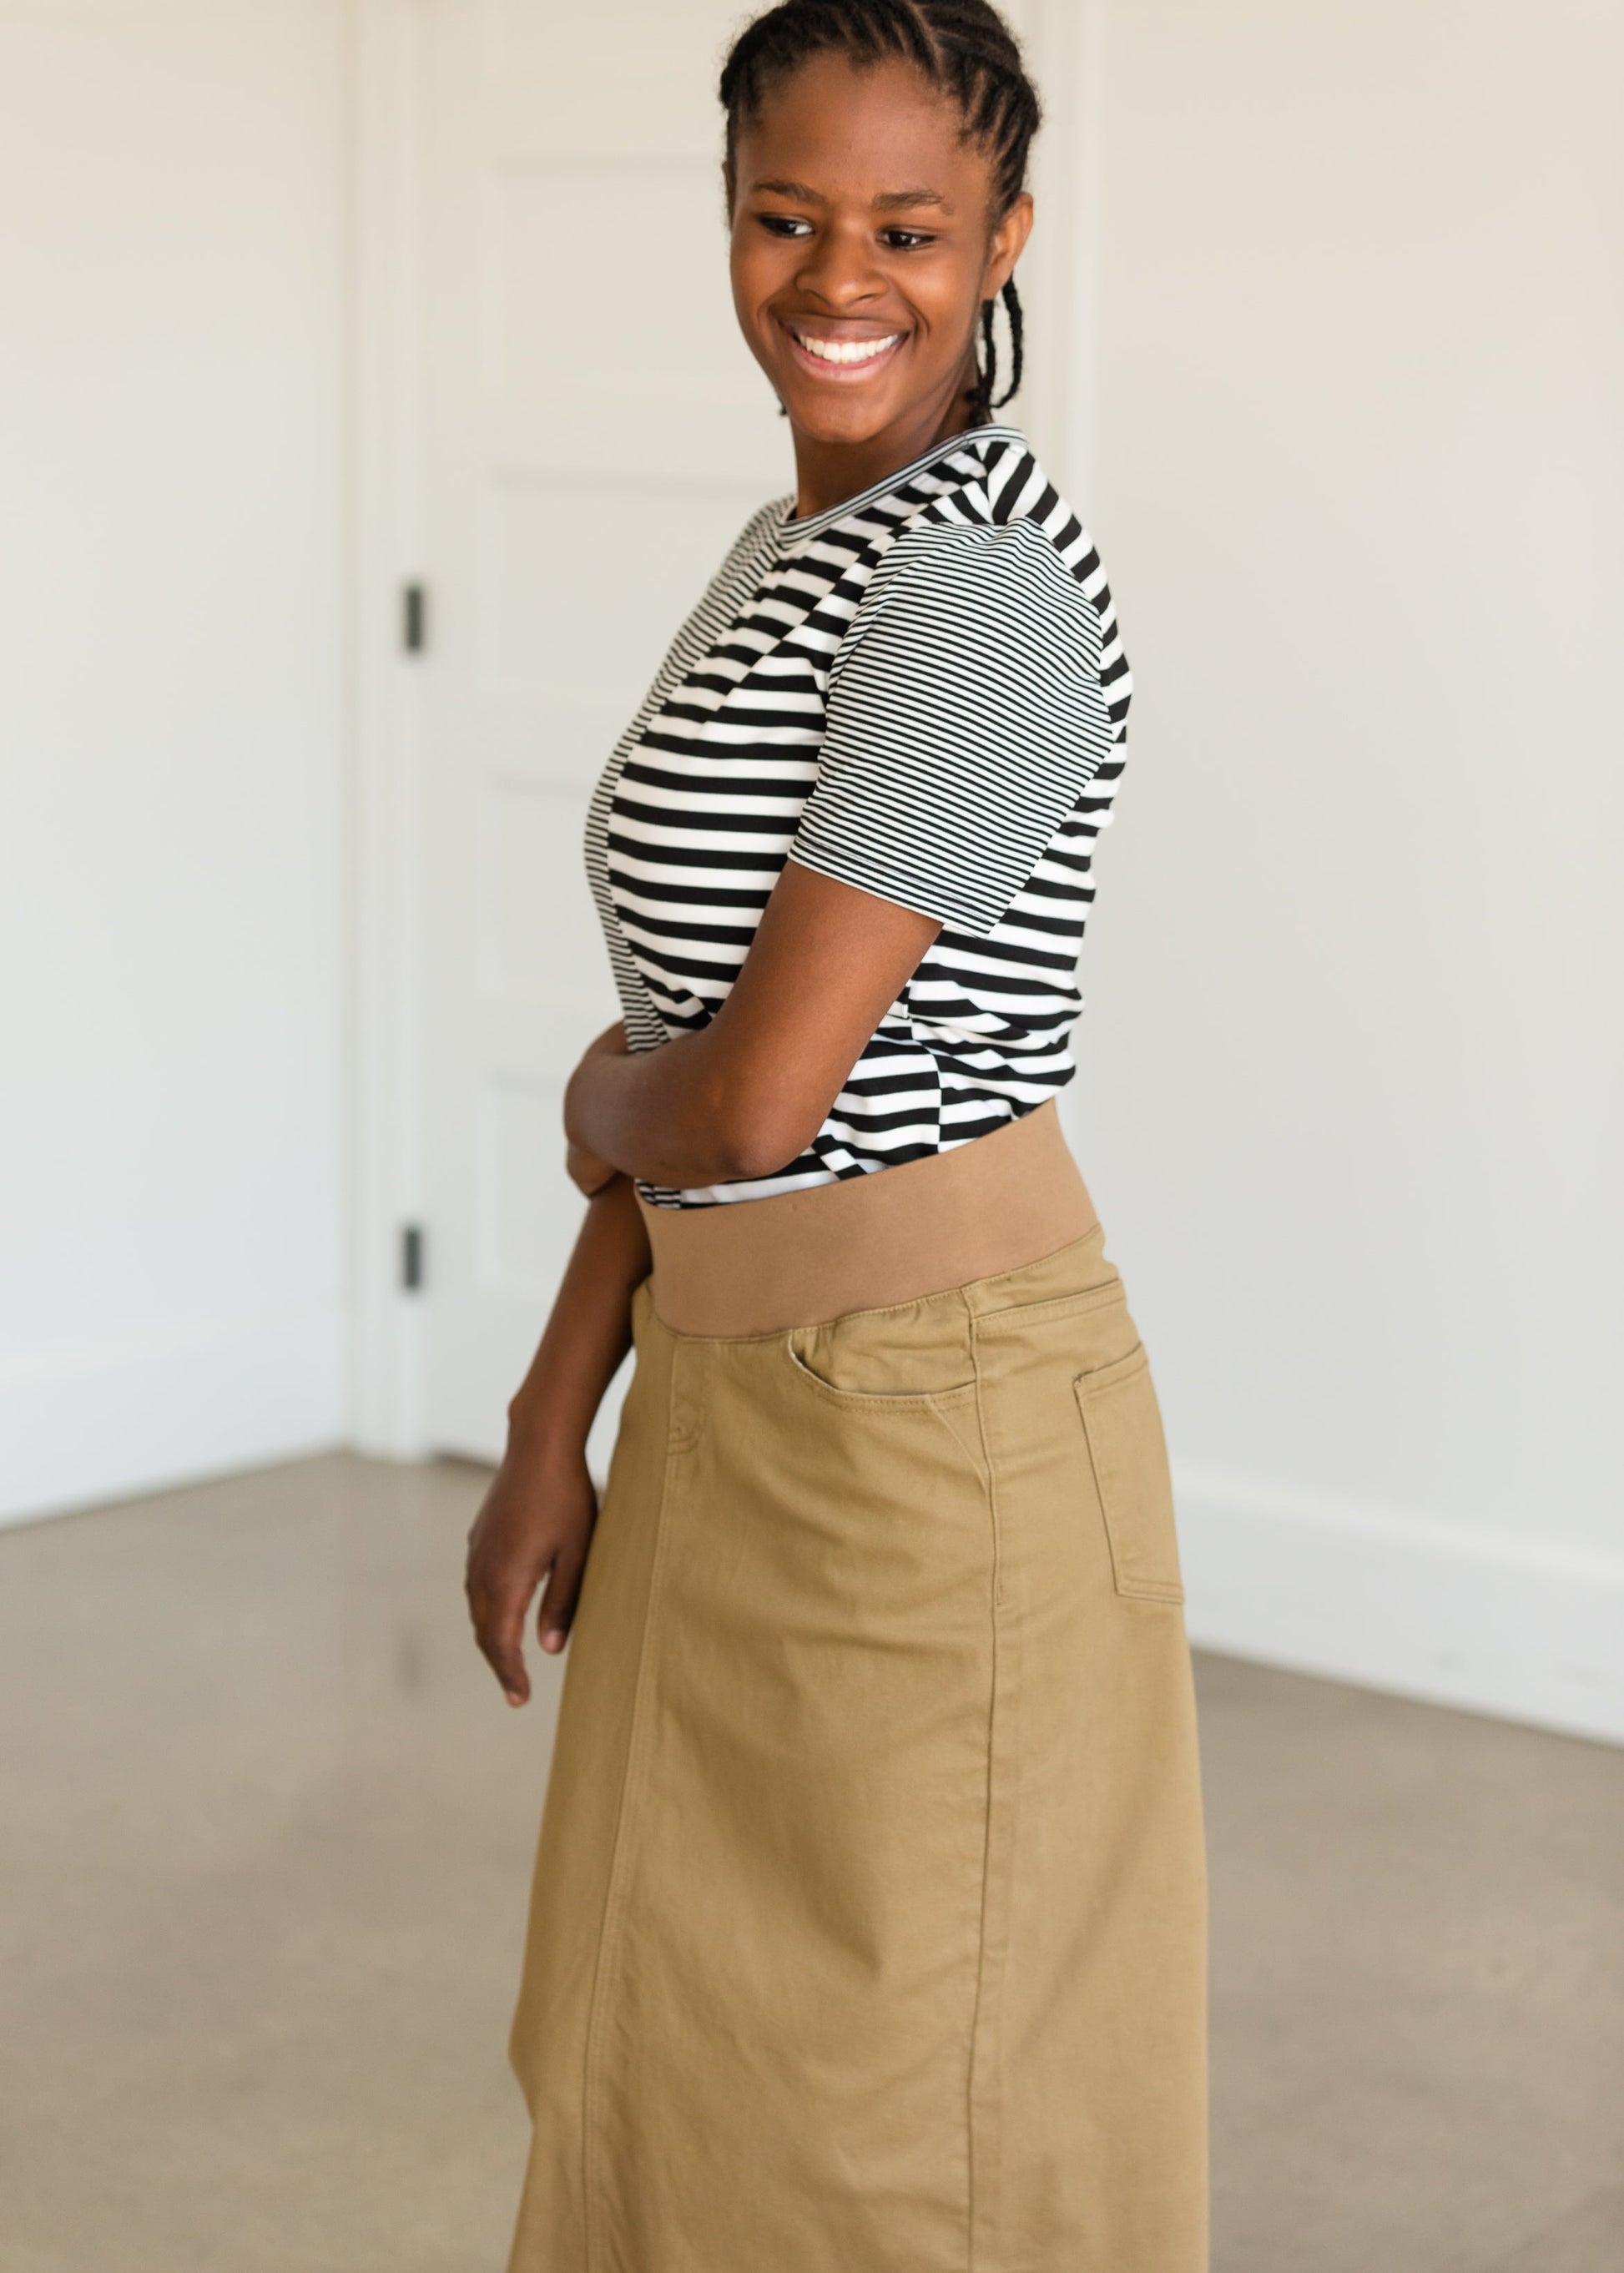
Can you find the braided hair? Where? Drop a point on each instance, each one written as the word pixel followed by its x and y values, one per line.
pixel 963 49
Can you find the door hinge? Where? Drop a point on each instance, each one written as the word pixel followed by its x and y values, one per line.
pixel 411 1257
pixel 414 619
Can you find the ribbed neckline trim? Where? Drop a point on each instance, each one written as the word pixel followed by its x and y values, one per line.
pixel 792 531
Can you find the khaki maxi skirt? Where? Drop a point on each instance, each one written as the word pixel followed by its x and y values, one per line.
pixel 867 1932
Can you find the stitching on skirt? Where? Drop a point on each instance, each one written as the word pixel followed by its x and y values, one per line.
pixel 614 1893
pixel 980 2016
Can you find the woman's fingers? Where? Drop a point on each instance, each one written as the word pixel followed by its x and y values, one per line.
pixel 557 1608
pixel 498 1629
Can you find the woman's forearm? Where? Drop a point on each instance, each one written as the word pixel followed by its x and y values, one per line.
pixel 589 1329
pixel 749 1091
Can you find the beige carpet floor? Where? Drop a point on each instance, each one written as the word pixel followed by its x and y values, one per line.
pixel 265 1838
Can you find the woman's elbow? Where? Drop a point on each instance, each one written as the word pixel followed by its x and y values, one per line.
pixel 757 1137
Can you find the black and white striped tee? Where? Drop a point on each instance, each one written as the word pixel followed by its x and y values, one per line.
pixel 921 693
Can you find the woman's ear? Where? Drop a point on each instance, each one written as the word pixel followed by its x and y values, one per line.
pixel 1008 242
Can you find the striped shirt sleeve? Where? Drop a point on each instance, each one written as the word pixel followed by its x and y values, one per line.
pixel 966 717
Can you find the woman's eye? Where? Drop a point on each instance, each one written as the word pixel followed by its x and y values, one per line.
pixel 785 224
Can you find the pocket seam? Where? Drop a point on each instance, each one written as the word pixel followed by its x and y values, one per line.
pixel 1169 1591
pixel 1136 1360
pixel 879 1400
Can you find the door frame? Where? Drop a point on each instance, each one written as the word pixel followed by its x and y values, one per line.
pixel 385 544
pixel 384 533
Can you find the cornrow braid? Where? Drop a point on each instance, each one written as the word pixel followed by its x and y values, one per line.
pixel 963 49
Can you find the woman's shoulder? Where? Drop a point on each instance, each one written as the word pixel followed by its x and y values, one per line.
pixel 1000 548
pixel 984 555
pixel 945 571
pixel 1002 529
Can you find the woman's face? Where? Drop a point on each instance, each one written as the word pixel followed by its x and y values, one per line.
pixel 863 248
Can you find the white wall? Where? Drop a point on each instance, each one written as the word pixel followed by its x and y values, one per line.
pixel 1333 367
pixel 1351 1087
pixel 170 696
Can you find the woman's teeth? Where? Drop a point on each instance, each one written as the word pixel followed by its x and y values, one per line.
pixel 846 351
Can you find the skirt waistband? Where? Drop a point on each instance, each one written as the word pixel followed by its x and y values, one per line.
pixel 759 1267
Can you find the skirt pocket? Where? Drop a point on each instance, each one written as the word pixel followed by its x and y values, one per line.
pixel 913 1356
pixel 876 1401
pixel 1121 1424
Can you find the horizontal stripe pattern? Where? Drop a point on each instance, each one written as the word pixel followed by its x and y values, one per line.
pixel 923 692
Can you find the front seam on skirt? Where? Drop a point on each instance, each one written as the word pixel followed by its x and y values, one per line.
pixel 614 1897
pixel 983 2031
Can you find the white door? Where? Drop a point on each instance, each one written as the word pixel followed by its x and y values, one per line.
pixel 596 436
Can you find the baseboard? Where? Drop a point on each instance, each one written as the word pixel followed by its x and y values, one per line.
pixel 1522 1631
pixel 108 1424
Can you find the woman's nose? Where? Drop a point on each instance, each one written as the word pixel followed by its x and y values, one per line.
pixel 839 268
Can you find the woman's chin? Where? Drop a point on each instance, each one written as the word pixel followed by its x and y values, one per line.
pixel 849 414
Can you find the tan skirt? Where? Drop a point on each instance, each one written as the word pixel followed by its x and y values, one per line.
pixel 867 1930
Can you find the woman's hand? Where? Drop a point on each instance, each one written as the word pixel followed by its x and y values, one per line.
pixel 536 1521
pixel 587 1173
pixel 534 1524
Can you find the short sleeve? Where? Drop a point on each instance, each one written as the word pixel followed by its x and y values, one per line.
pixel 966 717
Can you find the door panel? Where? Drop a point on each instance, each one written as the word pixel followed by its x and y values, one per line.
pixel 596 435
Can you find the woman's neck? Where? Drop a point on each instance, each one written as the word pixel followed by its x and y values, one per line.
pixel 828 473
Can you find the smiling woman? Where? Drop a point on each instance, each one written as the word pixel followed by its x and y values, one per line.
pixel 860 291
pixel 868 1922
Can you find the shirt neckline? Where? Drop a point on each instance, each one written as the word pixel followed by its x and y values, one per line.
pixel 791 531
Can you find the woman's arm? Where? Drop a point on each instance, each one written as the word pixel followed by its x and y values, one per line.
pixel 749 1093
pixel 536 1519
